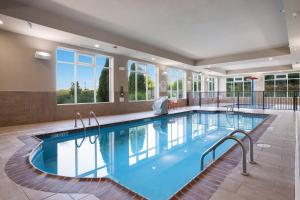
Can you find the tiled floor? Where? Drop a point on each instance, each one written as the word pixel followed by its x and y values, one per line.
pixel 272 178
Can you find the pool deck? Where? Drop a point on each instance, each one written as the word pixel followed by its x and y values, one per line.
pixel 271 179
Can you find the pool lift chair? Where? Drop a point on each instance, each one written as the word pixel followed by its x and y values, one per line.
pixel 231 136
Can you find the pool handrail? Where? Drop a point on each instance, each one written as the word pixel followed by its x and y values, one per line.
pixel 78 116
pixel 221 141
pixel 95 117
pixel 250 143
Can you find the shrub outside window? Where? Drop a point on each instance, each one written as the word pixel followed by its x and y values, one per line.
pixel 142 81
pixel 82 77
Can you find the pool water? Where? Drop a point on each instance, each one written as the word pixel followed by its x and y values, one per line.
pixel 153 157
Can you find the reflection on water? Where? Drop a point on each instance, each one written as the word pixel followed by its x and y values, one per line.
pixel 154 158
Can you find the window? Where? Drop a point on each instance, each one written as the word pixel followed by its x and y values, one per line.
pixel 176 83
pixel 82 77
pixel 238 86
pixel 212 82
pixel 282 85
pixel 142 81
pixel 196 83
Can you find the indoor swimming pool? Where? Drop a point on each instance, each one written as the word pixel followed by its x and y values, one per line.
pixel 153 157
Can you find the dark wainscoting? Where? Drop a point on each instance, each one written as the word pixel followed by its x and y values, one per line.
pixel 18 108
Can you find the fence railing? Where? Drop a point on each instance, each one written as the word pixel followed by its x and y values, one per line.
pixel 255 100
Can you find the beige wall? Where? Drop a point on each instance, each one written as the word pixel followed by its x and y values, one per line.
pixel 27 85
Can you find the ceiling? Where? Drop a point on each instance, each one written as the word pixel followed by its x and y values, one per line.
pixel 196 29
pixel 217 37
pixel 36 30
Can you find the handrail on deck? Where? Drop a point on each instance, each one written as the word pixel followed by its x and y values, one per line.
pixel 250 143
pixel 221 141
pixel 78 116
pixel 95 117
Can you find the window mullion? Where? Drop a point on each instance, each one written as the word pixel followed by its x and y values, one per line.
pixel 177 78
pixel 95 83
pixel 136 85
pixel 146 86
pixel 75 77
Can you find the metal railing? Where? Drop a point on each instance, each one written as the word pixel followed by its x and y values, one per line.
pixel 78 116
pixel 231 136
pixel 95 117
pixel 251 154
pixel 253 100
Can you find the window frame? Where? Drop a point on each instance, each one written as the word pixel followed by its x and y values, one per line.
pixel 275 78
pixel 199 78
pixel 177 70
pixel 94 65
pixel 145 73
pixel 237 79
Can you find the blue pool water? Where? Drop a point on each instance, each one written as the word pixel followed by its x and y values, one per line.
pixel 153 157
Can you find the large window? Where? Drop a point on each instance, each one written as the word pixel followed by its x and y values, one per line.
pixel 196 83
pixel 176 83
pixel 82 77
pixel 238 86
pixel 142 81
pixel 282 85
pixel 212 82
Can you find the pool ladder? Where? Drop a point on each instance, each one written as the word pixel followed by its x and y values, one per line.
pixel 231 136
pixel 95 117
pixel 229 108
pixel 78 116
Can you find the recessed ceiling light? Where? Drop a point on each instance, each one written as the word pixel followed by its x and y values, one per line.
pixel 152 58
pixel 1 22
pixel 282 10
pixel 97 45
pixel 270 58
pixel 295 14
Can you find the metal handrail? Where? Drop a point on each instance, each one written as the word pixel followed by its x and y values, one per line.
pixel 250 143
pixel 221 141
pixel 95 117
pixel 78 116
pixel 230 108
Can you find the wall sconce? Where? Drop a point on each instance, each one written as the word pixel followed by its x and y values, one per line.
pixel 42 55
